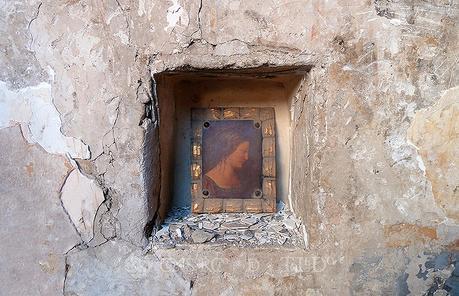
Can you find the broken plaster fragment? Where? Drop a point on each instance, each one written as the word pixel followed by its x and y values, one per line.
pixel 434 131
pixel 200 236
pixel 81 198
pixel 32 107
pixel 176 13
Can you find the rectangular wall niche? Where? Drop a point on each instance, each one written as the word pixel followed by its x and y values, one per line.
pixel 180 92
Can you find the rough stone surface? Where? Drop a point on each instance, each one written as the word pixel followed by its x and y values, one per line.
pixel 374 142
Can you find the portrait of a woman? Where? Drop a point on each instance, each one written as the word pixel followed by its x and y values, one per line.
pixel 231 159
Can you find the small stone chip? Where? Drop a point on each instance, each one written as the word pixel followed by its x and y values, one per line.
pixel 186 232
pixel 162 233
pixel 231 237
pixel 209 225
pixel 282 240
pixel 290 224
pixel 179 232
pixel 250 220
pixel 234 225
pixel 200 236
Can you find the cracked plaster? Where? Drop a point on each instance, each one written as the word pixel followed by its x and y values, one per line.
pixel 81 198
pixel 33 109
pixel 379 70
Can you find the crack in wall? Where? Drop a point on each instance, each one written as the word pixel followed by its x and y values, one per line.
pixel 81 198
pixel 37 12
pixel 127 19
pixel 112 129
pixel 199 29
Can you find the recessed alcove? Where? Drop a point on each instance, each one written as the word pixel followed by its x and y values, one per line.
pixel 179 91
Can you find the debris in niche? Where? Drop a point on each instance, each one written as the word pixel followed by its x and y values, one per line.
pixel 241 229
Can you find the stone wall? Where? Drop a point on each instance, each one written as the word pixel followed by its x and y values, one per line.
pixel 375 145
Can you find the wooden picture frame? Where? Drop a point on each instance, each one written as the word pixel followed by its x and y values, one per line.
pixel 240 140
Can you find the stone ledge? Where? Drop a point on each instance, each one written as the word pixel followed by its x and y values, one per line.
pixel 181 229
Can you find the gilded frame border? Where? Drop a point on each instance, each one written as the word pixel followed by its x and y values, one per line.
pixel 266 203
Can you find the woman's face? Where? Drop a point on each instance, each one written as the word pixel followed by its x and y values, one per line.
pixel 239 156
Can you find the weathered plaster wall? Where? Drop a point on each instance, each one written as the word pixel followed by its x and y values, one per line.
pixel 375 138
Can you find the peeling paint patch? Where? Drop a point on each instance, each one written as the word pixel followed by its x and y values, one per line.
pixel 434 131
pixel 175 13
pixel 32 107
pixel 402 235
pixel 81 198
pixel 434 274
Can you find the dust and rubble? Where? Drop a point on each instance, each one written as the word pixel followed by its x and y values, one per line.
pixel 282 228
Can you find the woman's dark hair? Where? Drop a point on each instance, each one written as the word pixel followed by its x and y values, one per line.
pixel 221 139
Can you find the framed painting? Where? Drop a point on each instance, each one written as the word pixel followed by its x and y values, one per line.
pixel 233 160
